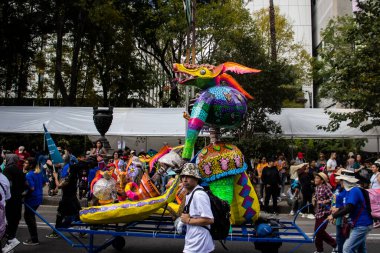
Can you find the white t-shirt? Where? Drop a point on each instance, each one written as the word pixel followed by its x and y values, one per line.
pixel 198 239
pixel 5 182
pixel 331 164
pixel 374 182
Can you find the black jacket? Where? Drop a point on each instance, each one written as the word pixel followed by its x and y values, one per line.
pixel 271 176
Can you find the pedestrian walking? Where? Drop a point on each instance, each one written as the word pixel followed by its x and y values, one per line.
pixel 13 207
pixel 356 205
pixel 323 196
pixel 198 238
pixel 33 198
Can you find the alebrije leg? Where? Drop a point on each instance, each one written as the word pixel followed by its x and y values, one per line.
pixel 198 118
pixel 223 188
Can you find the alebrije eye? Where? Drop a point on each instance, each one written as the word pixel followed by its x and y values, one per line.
pixel 203 71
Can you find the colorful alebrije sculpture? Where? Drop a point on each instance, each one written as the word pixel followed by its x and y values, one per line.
pixel 222 103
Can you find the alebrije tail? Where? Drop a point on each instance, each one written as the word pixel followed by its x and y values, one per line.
pixel 164 150
pixel 198 118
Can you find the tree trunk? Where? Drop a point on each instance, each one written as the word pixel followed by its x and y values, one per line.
pixel 59 85
pixel 22 82
pixel 272 22
pixel 75 59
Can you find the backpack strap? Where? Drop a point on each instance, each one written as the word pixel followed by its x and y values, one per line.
pixel 186 209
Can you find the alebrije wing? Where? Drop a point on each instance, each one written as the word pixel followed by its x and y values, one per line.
pixel 236 68
pixel 233 83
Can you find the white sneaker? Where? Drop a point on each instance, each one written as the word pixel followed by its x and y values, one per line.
pixel 279 199
pixel 303 215
pixel 310 216
pixel 291 213
pixel 11 244
pixel 335 250
pixel 283 195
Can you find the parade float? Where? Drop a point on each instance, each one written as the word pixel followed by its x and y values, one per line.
pixel 222 102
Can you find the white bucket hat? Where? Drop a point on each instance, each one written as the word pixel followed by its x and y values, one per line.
pixel 348 176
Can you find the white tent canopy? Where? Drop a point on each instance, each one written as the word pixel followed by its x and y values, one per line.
pixel 156 124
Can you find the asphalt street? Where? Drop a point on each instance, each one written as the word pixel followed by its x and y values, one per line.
pixel 158 245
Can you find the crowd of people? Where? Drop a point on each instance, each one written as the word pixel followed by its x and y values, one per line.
pixel 327 188
pixel 23 176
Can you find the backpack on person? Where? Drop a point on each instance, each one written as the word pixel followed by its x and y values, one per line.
pixel 221 211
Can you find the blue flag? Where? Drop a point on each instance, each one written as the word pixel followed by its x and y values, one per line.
pixel 55 156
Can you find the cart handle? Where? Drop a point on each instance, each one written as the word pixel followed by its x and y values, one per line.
pixel 299 211
pixel 319 228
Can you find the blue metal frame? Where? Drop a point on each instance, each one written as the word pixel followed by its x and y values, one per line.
pixel 163 227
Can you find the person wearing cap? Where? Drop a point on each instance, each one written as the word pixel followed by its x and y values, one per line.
pixel 198 238
pixel 337 202
pixel 355 204
pixel 323 196
pixel 300 158
pixel 22 155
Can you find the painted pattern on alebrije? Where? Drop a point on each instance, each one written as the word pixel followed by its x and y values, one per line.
pixel 220 161
pixel 245 191
pixel 195 123
pixel 248 200
pixel 249 213
pixel 129 204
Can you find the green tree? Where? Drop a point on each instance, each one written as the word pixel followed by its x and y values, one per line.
pixel 349 67
pixel 288 51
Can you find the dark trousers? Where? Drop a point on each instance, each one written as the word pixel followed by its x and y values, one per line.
pixel 13 210
pixel 322 235
pixel 67 212
pixel 30 220
pixel 271 191
pixel 306 199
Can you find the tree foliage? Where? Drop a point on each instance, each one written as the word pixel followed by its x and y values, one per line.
pixel 105 51
pixel 349 67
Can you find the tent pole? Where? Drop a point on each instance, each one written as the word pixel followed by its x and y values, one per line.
pixel 378 146
pixel 44 145
pixel 85 144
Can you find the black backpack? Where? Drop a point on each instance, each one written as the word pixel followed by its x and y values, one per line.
pixel 221 211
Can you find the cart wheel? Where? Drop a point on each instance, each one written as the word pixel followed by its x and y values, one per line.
pixel 118 243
